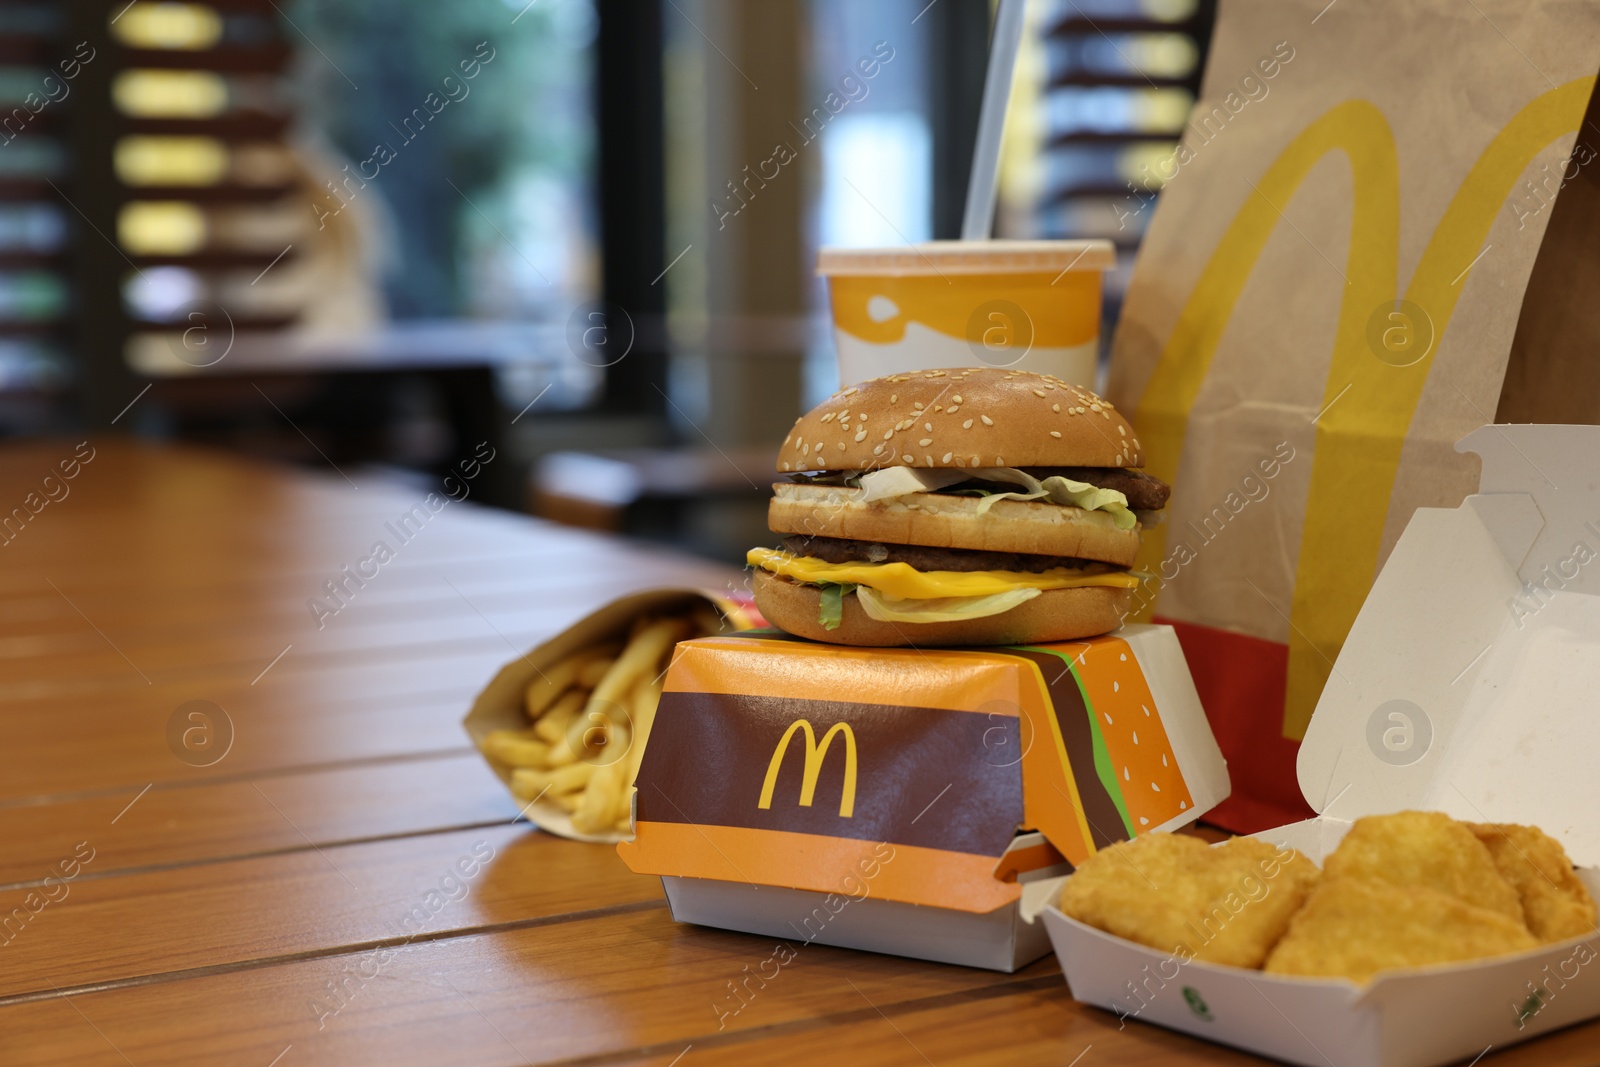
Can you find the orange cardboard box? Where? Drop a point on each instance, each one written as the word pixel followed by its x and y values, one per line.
pixel 897 799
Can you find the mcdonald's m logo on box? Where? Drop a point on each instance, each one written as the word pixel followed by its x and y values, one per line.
pixel 814 755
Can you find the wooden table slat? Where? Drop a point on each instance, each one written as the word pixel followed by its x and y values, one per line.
pixel 591 988
pixel 316 900
pixel 170 826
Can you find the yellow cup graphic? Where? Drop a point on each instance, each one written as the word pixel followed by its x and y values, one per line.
pixel 1034 305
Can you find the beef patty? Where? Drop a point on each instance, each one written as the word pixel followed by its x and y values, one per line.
pixel 923 558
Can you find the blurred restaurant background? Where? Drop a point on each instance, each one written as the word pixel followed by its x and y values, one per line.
pixel 342 234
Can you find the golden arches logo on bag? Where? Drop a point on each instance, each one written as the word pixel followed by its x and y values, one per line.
pixel 1373 388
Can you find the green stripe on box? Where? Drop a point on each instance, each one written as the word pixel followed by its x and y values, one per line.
pixel 1102 756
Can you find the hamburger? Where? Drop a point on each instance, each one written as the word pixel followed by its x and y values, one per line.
pixel 956 507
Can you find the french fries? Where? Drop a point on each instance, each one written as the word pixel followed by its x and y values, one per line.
pixel 589 716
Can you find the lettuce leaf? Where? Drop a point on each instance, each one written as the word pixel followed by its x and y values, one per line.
pixel 831 611
pixel 886 608
pixel 1059 490
pixel 891 482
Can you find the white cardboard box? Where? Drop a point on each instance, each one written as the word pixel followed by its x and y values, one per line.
pixel 1469 684
pixel 997 940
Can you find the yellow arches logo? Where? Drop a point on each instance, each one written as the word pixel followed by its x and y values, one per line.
pixel 814 755
pixel 1358 439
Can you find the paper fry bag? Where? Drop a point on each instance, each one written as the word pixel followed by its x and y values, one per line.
pixel 1335 288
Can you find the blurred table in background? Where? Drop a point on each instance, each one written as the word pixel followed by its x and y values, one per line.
pixel 422 394
pixel 710 500
pixel 286 887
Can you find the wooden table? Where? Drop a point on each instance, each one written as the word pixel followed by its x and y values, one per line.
pixel 249 912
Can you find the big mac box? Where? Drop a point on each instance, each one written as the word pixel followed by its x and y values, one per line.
pixel 947 717
pixel 1466 686
pixel 898 800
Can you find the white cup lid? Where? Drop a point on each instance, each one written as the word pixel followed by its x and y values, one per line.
pixel 969 257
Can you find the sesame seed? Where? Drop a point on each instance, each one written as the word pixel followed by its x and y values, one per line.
pixel 960 462
pixel 1038 392
pixel 999 461
pixel 1053 433
pixel 917 406
pixel 953 408
pixel 1121 431
pixel 894 398
pixel 806 451
pixel 800 466
pixel 861 416
pixel 909 458
pixel 987 421
pixel 1094 407
pixel 928 426
pixel 925 442
pixel 967 425
pixel 946 457
pixel 877 450
pixel 888 434
pixel 849 392
pixel 828 417
pixel 957 398
pixel 975 461
pixel 1055 407
pixel 861 435
pixel 783 466
pixel 845 414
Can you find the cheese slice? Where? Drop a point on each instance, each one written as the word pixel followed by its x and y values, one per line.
pixel 904 581
pixel 886 608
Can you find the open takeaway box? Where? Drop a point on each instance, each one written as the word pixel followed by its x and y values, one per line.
pixel 1467 685
pixel 897 800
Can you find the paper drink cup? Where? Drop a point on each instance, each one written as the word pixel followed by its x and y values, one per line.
pixel 1033 305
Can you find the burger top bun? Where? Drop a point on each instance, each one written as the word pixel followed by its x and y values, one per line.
pixel 973 417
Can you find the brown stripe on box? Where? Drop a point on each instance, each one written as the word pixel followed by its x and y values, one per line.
pixel 921 777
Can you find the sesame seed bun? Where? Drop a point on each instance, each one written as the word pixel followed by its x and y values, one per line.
pixel 943 521
pixel 974 417
pixel 1053 615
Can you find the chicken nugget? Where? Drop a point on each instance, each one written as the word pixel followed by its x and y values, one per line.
pixel 1355 927
pixel 1555 902
pixel 1226 903
pixel 1426 849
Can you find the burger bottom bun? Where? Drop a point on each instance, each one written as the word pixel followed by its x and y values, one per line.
pixel 1053 615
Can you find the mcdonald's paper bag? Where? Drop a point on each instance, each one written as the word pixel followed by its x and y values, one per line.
pixel 1370 241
